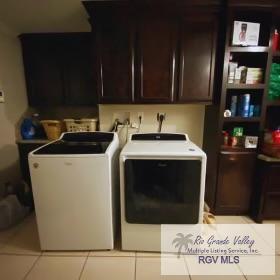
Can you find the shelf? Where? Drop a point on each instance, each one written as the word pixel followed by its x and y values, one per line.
pixel 236 149
pixel 248 49
pixel 245 86
pixel 276 54
pixel 241 119
pixel 273 103
pixel 253 92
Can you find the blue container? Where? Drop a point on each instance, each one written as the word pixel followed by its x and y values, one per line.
pixel 251 111
pixel 27 129
pixel 233 105
pixel 257 110
pixel 245 105
pixel 240 106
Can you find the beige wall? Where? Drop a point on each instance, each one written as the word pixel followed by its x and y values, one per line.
pixel 13 84
pixel 179 118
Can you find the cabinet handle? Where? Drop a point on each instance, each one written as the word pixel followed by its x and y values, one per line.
pixel 232 158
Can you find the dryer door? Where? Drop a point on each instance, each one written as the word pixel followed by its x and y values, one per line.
pixel 162 191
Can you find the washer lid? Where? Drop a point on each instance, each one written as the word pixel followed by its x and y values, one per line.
pixel 78 143
pixel 81 137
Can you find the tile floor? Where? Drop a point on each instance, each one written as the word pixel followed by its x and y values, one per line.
pixel 21 258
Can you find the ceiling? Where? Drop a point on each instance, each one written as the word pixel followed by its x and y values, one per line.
pixel 31 16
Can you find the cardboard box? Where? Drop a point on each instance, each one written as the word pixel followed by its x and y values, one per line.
pixel 245 33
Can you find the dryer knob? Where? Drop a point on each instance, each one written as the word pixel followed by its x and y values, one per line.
pixel 35 165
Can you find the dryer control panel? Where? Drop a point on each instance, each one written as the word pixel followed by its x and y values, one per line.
pixel 159 137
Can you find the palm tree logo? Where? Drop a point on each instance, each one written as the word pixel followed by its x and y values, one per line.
pixel 182 241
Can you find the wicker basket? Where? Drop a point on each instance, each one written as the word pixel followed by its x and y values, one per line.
pixel 53 128
pixel 80 125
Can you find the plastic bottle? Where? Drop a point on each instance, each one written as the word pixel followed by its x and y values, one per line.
pixel 27 129
pixel 275 41
pixel 39 130
pixel 233 105
pixel 245 105
pixel 276 136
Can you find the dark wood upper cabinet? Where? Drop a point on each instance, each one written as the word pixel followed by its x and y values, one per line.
pixel 78 72
pixel 197 58
pixel 58 69
pixel 154 52
pixel 42 70
pixel 156 64
pixel 113 41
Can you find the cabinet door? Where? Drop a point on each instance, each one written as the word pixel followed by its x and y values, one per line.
pixel 78 76
pixel 271 207
pixel 43 71
pixel 235 179
pixel 114 56
pixel 271 201
pixel 156 59
pixel 197 59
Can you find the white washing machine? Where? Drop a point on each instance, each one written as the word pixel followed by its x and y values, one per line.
pixel 162 181
pixel 74 182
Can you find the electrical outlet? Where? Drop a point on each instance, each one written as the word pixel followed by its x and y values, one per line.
pixel 121 116
pixel 161 114
pixel 134 125
pixel 2 99
pixel 140 114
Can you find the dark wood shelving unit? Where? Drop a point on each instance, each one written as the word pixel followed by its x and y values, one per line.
pixel 265 201
pixel 242 119
pixel 245 86
pixel 230 170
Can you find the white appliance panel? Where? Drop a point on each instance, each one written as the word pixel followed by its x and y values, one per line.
pixel 73 202
pixel 147 237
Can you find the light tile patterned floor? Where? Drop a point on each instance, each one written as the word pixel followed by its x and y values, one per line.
pixel 104 268
pixel 21 258
pixel 60 268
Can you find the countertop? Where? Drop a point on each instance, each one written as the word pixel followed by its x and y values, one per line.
pixel 32 141
pixel 268 159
